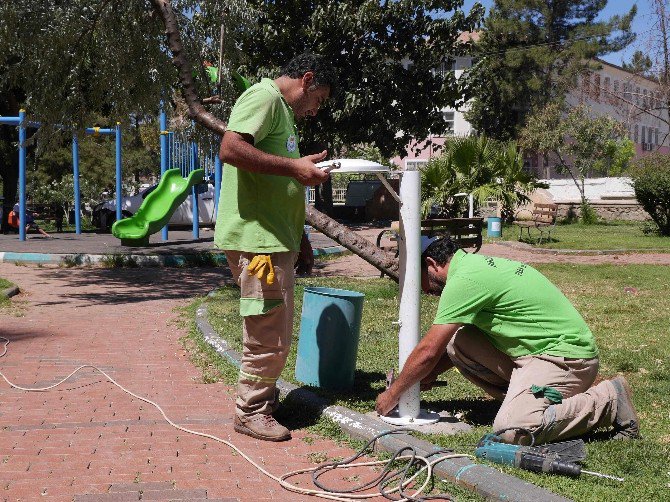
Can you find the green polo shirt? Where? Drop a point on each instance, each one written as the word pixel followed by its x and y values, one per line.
pixel 517 307
pixel 261 213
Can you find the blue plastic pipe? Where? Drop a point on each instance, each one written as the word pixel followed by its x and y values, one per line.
pixel 194 192
pixel 22 175
pixel 118 171
pixel 75 175
pixel 164 157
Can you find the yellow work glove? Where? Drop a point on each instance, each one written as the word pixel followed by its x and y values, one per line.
pixel 260 265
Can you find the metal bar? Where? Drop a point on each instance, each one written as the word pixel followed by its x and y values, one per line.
pixel 22 175
pixel 218 171
pixel 95 131
pixel 75 175
pixel 118 172
pixel 164 157
pixel 10 120
pixel 194 192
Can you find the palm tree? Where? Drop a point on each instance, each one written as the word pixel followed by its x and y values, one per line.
pixel 487 169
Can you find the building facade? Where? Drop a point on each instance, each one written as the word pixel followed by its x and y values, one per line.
pixel 634 101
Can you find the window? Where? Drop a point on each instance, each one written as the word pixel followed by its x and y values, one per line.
pixel 596 87
pixel 637 95
pixel 636 134
pixel 445 68
pixel 415 164
pixel 656 132
pixel 626 92
pixel 649 138
pixel 644 98
pixel 449 120
pixel 644 134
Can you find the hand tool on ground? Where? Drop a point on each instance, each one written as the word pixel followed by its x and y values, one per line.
pixel 557 458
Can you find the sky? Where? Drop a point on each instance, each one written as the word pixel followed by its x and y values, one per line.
pixel 641 23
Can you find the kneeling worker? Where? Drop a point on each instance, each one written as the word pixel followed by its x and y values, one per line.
pixel 510 331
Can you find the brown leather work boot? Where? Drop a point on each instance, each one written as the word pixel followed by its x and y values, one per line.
pixel 626 423
pixel 263 427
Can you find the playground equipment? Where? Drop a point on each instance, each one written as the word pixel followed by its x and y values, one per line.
pixel 157 208
pixel 409 411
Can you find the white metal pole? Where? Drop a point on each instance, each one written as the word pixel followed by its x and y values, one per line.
pixel 410 282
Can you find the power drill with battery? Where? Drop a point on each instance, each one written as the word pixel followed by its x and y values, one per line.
pixel 556 458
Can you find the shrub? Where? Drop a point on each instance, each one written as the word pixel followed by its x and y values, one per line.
pixel 651 182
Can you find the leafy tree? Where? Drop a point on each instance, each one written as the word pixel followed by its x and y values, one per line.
pixel 485 168
pixel 581 145
pixel 651 182
pixel 383 102
pixel 531 53
pixel 640 63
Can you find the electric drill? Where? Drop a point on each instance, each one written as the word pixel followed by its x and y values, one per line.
pixel 531 458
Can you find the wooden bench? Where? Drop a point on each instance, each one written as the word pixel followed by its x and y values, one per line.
pixel 542 217
pixel 467 232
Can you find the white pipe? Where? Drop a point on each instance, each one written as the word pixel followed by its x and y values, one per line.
pixel 471 206
pixel 410 281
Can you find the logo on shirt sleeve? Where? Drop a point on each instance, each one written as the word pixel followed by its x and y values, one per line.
pixel 291 143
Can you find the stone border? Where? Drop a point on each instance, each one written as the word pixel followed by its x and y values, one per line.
pixel 522 246
pixel 141 260
pixel 482 479
pixel 10 291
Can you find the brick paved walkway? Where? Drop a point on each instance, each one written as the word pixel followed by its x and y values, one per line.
pixel 87 440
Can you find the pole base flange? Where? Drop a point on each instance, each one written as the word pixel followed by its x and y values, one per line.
pixel 425 418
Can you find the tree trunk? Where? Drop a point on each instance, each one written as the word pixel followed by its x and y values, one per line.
pixel 380 259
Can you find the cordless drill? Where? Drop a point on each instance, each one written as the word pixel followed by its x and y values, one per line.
pixel 557 458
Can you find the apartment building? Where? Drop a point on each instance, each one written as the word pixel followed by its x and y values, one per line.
pixel 635 101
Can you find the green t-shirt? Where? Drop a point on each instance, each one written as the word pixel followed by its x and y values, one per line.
pixel 261 213
pixel 517 307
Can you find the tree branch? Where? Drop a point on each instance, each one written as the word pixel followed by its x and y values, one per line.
pixel 380 259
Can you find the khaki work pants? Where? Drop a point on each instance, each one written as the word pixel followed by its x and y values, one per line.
pixel 266 336
pixel 509 380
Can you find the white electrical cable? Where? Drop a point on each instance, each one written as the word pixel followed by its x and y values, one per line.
pixel 428 464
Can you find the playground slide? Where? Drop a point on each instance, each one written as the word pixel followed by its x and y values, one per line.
pixel 157 208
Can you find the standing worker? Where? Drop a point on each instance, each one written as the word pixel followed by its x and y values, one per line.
pixel 260 226
pixel 511 332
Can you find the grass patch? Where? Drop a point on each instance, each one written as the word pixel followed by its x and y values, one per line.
pixel 4 283
pixel 617 235
pixel 627 308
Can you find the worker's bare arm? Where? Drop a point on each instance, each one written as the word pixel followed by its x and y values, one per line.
pixel 420 363
pixel 237 149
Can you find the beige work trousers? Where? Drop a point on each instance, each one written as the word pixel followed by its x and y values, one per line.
pixel 266 337
pixel 509 380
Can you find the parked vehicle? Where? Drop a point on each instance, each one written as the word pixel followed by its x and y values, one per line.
pixel 104 214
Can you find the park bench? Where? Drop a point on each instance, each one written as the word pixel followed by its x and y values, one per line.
pixel 542 217
pixel 465 231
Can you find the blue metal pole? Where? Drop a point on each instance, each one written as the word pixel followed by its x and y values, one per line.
pixel 164 158
pixel 118 171
pixel 22 175
pixel 217 181
pixel 194 192
pixel 75 175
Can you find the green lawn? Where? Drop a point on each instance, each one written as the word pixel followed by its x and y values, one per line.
pixel 632 333
pixel 619 235
pixel 4 283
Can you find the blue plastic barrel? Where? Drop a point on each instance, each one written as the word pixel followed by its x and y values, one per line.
pixel 329 331
pixel 494 227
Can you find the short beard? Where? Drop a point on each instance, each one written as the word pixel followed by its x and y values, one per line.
pixel 435 284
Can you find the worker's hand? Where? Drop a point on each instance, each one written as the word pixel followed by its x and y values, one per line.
pixel 305 257
pixel 307 173
pixel 260 265
pixel 386 401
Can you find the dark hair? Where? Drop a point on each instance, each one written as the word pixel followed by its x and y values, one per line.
pixel 325 73
pixel 440 250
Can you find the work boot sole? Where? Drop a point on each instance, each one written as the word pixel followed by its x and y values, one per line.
pixel 631 431
pixel 242 429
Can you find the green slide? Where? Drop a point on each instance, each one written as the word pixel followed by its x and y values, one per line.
pixel 157 208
